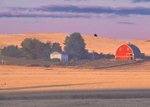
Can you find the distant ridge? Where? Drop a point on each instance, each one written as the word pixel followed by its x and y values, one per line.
pixel 97 44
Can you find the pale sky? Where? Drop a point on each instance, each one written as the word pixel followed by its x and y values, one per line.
pixel 116 19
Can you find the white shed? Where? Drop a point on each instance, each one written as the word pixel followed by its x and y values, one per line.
pixel 62 56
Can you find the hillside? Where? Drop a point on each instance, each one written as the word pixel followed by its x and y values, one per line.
pixel 98 44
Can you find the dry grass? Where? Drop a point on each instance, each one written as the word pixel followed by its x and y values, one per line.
pixel 42 87
pixel 96 64
pixel 18 78
pixel 98 44
pixel 27 62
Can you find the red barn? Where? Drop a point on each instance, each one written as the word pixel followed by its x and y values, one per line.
pixel 127 52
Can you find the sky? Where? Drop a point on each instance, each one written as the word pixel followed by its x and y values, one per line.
pixel 115 19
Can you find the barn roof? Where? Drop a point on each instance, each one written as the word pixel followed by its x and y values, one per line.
pixel 55 52
pixel 135 49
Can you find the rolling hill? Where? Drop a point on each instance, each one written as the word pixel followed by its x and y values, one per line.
pixel 97 44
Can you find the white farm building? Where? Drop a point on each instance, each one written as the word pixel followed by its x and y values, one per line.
pixel 62 56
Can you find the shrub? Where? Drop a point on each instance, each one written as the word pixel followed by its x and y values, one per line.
pixel 12 51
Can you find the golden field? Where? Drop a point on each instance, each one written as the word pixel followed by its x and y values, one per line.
pixel 19 78
pixel 120 86
pixel 98 44
pixel 126 86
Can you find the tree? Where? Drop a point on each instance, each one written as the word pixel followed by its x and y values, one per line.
pixel 32 48
pixel 56 47
pixel 11 51
pixel 46 50
pixel 74 44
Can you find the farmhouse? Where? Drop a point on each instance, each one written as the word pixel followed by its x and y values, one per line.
pixel 127 52
pixel 63 56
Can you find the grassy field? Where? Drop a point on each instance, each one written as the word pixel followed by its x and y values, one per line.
pixel 92 64
pixel 96 64
pixel 26 62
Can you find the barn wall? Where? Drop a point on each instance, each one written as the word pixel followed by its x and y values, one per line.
pixel 124 52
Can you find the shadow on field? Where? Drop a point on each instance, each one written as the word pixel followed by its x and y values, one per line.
pixel 136 63
pixel 48 86
pixel 78 94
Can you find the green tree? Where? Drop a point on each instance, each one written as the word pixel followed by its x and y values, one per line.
pixel 11 51
pixel 32 48
pixel 56 47
pixel 74 44
pixel 46 50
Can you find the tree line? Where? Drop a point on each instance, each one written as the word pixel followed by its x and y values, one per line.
pixel 35 49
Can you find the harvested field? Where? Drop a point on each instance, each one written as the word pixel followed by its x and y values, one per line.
pixel 55 87
pixel 19 78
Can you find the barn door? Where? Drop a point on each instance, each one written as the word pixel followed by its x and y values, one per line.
pixel 131 56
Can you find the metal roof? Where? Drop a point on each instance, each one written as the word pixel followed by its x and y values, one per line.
pixel 135 50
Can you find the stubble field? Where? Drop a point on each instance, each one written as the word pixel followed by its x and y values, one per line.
pixel 126 86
